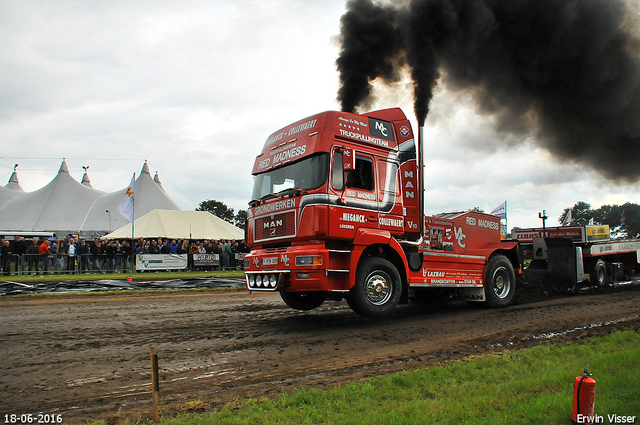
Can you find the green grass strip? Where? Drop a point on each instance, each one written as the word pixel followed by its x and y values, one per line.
pixel 528 386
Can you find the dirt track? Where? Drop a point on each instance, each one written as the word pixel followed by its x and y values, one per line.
pixel 87 356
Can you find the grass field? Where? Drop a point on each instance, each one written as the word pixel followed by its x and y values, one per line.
pixel 528 386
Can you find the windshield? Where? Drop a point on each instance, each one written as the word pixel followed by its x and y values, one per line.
pixel 307 174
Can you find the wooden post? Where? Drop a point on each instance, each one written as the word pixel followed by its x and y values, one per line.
pixel 155 383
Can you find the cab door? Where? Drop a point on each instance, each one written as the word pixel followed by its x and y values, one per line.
pixel 355 190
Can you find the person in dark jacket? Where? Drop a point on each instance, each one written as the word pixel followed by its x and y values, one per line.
pixel 19 249
pixel 125 253
pixel 5 257
pixel 97 252
pixel 111 251
pixel 153 247
pixel 32 256
pixel 165 249
pixel 82 252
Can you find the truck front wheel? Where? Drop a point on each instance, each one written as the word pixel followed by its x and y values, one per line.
pixel 377 289
pixel 499 282
pixel 303 300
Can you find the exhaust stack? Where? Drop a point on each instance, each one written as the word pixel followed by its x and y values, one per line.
pixel 421 179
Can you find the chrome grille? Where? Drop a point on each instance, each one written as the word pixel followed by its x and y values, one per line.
pixel 275 226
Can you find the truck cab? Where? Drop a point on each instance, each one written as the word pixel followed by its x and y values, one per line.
pixel 336 213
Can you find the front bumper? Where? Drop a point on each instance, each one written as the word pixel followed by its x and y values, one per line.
pixel 286 270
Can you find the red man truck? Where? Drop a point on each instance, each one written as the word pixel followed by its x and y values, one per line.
pixel 337 213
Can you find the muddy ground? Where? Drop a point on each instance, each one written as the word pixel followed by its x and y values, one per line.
pixel 87 356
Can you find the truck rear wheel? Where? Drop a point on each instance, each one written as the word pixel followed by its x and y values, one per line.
pixel 377 289
pixel 499 282
pixel 303 300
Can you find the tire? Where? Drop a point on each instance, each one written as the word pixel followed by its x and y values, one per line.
pixel 377 290
pixel 599 274
pixel 303 300
pixel 499 282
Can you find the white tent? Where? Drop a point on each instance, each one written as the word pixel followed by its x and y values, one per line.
pixel 172 224
pixel 60 206
pixel 68 206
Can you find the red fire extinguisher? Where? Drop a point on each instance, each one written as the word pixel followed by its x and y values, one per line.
pixel 584 396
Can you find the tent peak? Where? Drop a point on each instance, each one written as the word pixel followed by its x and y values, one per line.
pixel 63 167
pixel 85 177
pixel 156 179
pixel 145 168
pixel 13 182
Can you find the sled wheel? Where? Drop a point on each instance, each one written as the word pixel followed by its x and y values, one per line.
pixel 499 282
pixel 377 289
pixel 599 274
pixel 303 300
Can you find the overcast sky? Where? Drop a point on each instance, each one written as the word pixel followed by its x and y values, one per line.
pixel 195 88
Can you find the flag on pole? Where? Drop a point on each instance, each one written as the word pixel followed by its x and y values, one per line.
pixel 500 210
pixel 567 219
pixel 126 206
pixel 622 220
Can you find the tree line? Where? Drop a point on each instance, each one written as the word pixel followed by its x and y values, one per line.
pixel 219 209
pixel 623 220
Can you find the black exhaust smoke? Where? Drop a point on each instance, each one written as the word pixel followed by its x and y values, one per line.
pixel 566 72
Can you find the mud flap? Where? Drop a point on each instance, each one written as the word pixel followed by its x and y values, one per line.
pixel 473 294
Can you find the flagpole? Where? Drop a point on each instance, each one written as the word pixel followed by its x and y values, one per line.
pixel 506 220
pixel 127 209
pixel 133 257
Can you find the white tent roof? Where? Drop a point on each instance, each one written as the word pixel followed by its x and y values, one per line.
pixel 67 206
pixel 172 224
pixel 60 206
pixel 7 194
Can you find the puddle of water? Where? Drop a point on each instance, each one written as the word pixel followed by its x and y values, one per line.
pixel 582 328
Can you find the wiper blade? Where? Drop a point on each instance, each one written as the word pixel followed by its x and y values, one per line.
pixel 284 192
pixel 291 191
pixel 269 196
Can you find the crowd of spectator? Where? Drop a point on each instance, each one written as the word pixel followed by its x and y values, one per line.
pixel 77 255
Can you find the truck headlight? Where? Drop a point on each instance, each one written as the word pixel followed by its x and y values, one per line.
pixel 309 260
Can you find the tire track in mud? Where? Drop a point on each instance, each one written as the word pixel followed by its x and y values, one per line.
pixel 87 357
